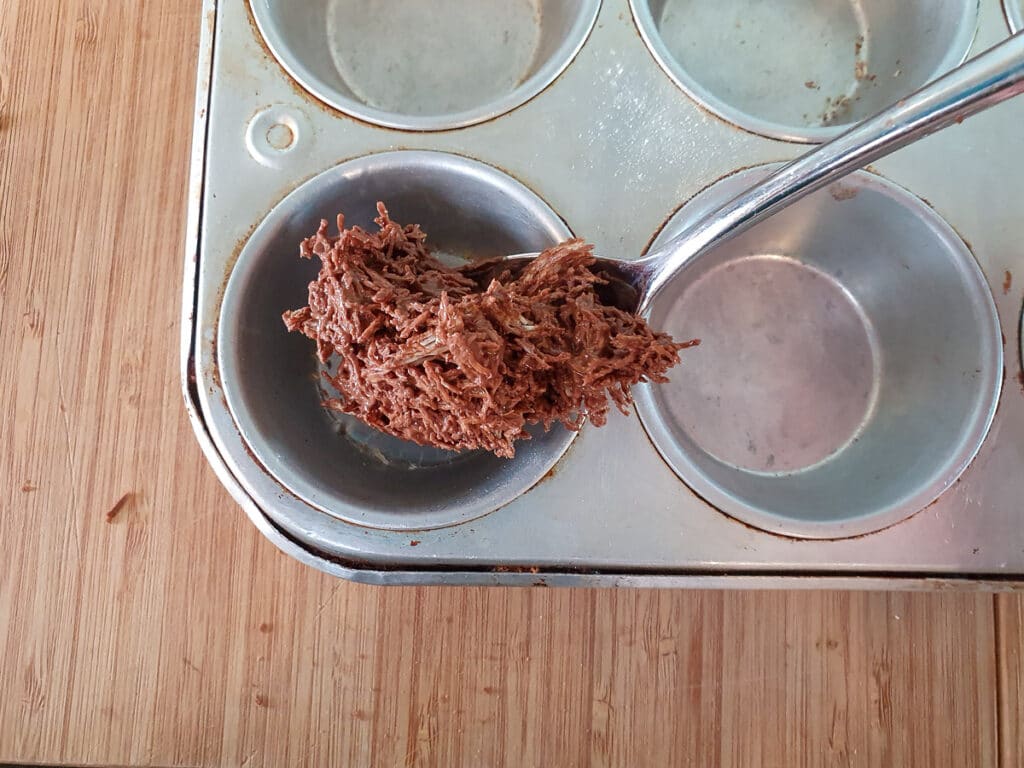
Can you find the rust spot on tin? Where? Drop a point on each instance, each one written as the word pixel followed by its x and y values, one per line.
pixel 27 487
pixel 414 543
pixel 119 505
pixel 842 192
pixel 516 569
pixel 539 583
pixel 812 85
pixel 280 136
pixel 1007 282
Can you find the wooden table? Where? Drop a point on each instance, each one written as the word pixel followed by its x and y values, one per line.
pixel 171 633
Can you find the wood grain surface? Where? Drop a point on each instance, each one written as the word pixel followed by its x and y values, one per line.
pixel 1010 634
pixel 143 621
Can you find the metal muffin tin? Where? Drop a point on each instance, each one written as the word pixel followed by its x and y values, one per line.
pixel 595 138
pixel 1014 14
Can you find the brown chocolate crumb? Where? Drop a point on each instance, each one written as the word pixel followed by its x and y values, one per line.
pixel 27 487
pixel 421 352
pixel 1007 282
pixel 118 506
pixel 812 85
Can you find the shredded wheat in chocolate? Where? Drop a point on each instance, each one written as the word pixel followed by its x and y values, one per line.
pixel 427 355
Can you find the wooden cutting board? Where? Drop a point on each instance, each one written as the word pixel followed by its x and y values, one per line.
pixel 143 621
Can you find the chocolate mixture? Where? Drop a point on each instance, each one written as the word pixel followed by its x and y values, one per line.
pixel 427 355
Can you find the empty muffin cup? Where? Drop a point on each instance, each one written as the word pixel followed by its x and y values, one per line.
pixel 272 379
pixel 850 364
pixel 804 70
pixel 425 65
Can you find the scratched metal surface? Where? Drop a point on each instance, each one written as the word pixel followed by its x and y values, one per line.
pixel 614 147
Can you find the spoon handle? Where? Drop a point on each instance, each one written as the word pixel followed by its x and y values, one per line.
pixel 992 77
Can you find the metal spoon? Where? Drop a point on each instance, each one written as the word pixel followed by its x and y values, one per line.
pixel 986 80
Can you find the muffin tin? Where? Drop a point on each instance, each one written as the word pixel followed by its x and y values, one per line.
pixel 1014 14
pixel 853 415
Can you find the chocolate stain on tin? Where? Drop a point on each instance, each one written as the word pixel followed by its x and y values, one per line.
pixel 842 192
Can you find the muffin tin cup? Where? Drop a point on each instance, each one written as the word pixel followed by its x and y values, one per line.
pixel 804 70
pixel 272 380
pixel 425 66
pixel 850 363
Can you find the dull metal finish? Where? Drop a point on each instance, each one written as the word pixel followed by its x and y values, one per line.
pixel 522 55
pixel 612 130
pixel 742 60
pixel 864 365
